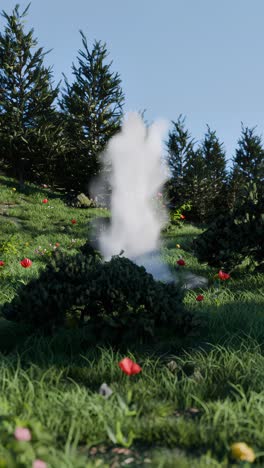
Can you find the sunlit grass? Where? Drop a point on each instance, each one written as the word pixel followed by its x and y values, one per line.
pixel 191 401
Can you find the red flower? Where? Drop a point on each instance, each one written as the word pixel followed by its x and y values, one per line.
pixel 129 367
pixel 200 298
pixel 182 216
pixel 223 276
pixel 73 221
pixel 2 263
pixel 181 262
pixel 45 200
pixel 26 263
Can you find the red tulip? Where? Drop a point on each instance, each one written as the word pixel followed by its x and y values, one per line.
pixel 223 276
pixel 181 262
pixel 26 263
pixel 129 367
pixel 2 263
pixel 182 216
pixel 45 200
pixel 200 298
pixel 73 221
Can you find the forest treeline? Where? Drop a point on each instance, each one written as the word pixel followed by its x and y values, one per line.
pixel 54 133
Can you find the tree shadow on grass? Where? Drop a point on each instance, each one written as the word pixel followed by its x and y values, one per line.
pixel 228 325
pixel 29 188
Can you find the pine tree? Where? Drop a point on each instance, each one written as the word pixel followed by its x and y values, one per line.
pixel 93 107
pixel 205 178
pixel 195 184
pixel 28 126
pixel 248 164
pixel 215 174
pixel 180 150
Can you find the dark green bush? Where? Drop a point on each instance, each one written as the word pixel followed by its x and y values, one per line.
pixel 116 300
pixel 233 238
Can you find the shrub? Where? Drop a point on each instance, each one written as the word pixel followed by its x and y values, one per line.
pixel 238 236
pixel 177 216
pixel 116 300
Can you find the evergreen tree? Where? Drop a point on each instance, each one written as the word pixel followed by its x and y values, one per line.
pixel 205 178
pixel 93 108
pixel 28 124
pixel 248 163
pixel 180 150
pixel 249 158
pixel 215 174
pixel 195 184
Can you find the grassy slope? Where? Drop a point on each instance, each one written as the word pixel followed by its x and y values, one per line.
pixel 55 382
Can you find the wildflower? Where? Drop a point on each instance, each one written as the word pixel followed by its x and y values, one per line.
pixel 178 246
pixel 105 391
pixel 22 434
pixel 14 189
pixel 26 244
pixel 200 298
pixel 2 263
pixel 182 216
pixel 223 276
pixel 26 263
pixel 39 464
pixel 241 451
pixel 57 244
pixel 181 262
pixel 44 186
pixel 129 367
pixel 172 366
pixel 45 200
pixel 73 221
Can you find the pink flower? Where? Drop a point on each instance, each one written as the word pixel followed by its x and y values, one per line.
pixel 39 464
pixel 182 216
pixel 181 262
pixel 22 434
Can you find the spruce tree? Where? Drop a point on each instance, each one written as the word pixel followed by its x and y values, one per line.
pixel 28 126
pixel 205 178
pixel 180 151
pixel 215 174
pixel 93 106
pixel 249 159
pixel 248 164
pixel 195 184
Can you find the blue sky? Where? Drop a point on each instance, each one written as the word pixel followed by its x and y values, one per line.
pixel 200 58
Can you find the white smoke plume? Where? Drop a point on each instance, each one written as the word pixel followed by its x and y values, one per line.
pixel 137 175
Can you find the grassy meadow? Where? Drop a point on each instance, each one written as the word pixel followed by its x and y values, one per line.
pixel 194 398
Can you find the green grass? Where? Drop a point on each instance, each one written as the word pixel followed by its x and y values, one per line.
pixel 186 407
